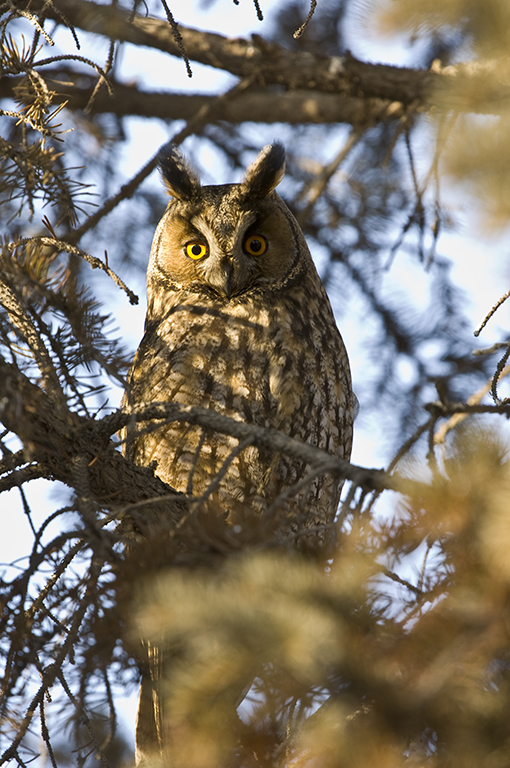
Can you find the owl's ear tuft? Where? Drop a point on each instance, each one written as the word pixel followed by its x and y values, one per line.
pixel 266 172
pixel 181 180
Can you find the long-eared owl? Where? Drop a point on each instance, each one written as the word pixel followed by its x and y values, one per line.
pixel 238 321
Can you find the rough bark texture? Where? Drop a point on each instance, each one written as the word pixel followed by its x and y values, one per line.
pixel 275 105
pixel 267 63
pixel 55 437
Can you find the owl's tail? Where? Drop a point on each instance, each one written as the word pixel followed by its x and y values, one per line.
pixel 149 744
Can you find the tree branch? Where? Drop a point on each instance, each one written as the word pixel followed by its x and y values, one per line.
pixel 261 437
pixel 447 409
pixel 20 476
pixel 273 64
pixel 53 437
pixel 260 106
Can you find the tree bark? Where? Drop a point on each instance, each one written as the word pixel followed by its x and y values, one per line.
pixel 55 437
pixel 256 106
pixel 268 63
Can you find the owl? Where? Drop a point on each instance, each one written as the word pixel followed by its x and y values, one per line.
pixel 239 322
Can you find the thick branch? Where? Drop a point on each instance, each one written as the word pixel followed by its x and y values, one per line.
pixel 259 106
pixel 273 64
pixel 53 438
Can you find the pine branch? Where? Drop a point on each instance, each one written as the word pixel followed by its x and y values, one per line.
pixel 273 64
pixel 54 436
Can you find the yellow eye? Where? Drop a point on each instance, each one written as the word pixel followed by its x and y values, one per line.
pixel 255 245
pixel 196 250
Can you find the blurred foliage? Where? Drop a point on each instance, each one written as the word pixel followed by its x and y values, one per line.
pixel 344 673
pixel 484 24
pixel 477 150
pixel 394 652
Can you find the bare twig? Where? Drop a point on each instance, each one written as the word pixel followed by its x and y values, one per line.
pixel 399 580
pixel 315 189
pixel 446 409
pixel 177 37
pixel 491 312
pixel 457 417
pixel 499 373
pixel 94 262
pixel 313 5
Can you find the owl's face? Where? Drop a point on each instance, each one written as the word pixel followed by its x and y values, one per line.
pixel 225 240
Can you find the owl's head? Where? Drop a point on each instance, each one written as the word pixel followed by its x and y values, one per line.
pixel 228 240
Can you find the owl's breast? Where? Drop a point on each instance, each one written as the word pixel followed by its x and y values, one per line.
pixel 264 362
pixel 271 363
pixel 217 358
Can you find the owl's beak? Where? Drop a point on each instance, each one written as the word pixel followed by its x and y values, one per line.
pixel 222 277
pixel 229 271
